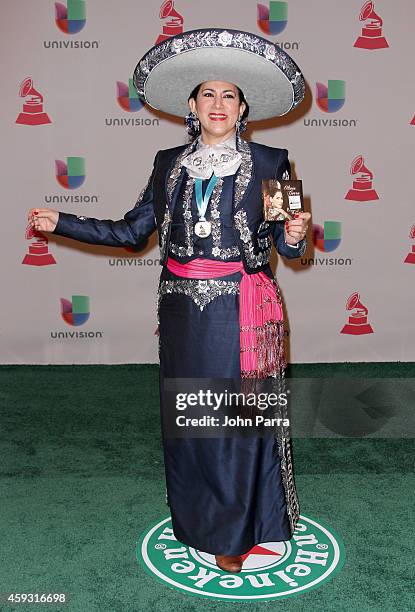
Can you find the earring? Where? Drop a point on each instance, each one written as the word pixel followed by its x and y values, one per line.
pixel 192 124
pixel 241 125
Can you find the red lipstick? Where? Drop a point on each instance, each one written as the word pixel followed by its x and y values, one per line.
pixel 217 116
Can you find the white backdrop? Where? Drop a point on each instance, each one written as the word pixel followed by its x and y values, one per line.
pixel 77 76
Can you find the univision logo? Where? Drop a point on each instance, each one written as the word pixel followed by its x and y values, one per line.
pixel 71 175
pixel 331 98
pixel 76 313
pixel 328 237
pixel 70 18
pixel 128 262
pixel 128 99
pixel 272 20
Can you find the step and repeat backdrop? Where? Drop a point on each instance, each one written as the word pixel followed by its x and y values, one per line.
pixel 76 138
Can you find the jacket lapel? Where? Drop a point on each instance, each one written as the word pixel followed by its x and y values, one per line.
pixel 244 176
pixel 175 175
pixel 243 182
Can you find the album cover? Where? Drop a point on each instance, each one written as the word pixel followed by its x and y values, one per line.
pixel 282 199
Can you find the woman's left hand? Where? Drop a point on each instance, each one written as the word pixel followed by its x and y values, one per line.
pixel 295 230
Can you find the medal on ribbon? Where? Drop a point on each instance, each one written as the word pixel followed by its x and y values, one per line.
pixel 203 228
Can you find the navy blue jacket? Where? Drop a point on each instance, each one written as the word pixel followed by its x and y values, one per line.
pixel 156 202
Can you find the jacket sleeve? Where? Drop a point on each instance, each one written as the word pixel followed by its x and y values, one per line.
pixel 283 171
pixel 133 230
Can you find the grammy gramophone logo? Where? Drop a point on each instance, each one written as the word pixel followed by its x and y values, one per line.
pixel 32 113
pixel 362 189
pixel 371 35
pixel 358 323
pixel 410 258
pixel 172 21
pixel 38 251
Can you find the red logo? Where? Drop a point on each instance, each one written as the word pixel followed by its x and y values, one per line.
pixel 362 190
pixel 33 105
pixel 410 258
pixel 174 21
pixel 38 253
pixel 357 324
pixel 371 36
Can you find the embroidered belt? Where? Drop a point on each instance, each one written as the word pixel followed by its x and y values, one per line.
pixel 260 314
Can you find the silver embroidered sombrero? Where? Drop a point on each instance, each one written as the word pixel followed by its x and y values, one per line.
pixel 269 78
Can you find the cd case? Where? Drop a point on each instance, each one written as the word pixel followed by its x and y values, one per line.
pixel 282 199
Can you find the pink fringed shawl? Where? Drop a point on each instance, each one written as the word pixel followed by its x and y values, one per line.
pixel 260 314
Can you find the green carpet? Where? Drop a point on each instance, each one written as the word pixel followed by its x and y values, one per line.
pixel 82 476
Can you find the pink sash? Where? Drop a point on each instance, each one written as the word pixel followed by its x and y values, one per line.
pixel 260 314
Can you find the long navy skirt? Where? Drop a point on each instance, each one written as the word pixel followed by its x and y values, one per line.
pixel 225 494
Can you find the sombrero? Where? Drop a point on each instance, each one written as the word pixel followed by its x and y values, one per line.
pixel 269 78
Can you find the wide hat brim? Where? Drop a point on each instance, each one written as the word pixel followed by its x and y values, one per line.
pixel 271 81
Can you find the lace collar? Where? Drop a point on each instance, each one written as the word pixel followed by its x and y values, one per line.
pixel 222 159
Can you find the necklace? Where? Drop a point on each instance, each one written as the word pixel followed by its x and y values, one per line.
pixel 203 228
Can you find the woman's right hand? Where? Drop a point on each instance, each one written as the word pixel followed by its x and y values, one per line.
pixel 43 219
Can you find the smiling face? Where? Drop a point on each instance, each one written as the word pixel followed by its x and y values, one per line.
pixel 218 109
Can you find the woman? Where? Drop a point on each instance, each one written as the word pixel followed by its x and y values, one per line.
pixel 219 311
pixel 276 210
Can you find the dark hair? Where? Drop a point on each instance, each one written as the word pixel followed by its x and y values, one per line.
pixel 241 99
pixel 273 188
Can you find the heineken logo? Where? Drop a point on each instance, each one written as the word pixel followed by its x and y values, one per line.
pixel 271 570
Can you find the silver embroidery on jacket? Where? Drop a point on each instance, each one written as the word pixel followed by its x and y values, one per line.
pixel 284 449
pixel 202 292
pixel 217 250
pixel 244 172
pixel 254 259
pixel 141 195
pixel 264 242
pixel 163 232
pixel 177 168
pixel 142 192
pixel 303 247
pixel 187 250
